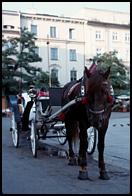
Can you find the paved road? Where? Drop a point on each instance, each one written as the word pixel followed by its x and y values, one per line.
pixel 117 150
pixel 22 174
pixel 117 144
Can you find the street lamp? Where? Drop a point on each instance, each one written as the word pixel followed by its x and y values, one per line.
pixel 48 60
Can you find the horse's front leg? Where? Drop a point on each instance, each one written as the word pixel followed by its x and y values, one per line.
pixel 101 163
pixel 83 174
pixel 70 129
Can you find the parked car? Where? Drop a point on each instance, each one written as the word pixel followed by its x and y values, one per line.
pixel 122 103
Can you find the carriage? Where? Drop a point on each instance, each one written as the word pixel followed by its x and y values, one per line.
pixel 44 118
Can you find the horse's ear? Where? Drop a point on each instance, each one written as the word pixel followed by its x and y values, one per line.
pixel 106 74
pixel 87 71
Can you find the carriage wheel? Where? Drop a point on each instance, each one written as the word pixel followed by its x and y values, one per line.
pixel 92 137
pixel 33 138
pixel 61 133
pixel 15 130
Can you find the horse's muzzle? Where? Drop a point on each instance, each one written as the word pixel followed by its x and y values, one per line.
pixel 96 118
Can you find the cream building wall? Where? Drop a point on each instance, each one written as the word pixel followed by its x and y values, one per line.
pixel 86 24
pixel 10 24
pixel 106 22
pixel 103 16
pixel 62 42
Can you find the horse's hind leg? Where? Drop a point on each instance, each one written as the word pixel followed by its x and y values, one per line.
pixel 101 163
pixel 70 130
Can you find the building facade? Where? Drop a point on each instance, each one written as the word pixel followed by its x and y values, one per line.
pixel 10 24
pixel 66 43
pixel 107 31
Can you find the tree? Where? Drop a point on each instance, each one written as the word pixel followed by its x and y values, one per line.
pixel 8 63
pixel 118 76
pixel 42 80
pixel 23 50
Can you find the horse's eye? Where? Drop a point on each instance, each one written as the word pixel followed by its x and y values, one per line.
pixel 104 91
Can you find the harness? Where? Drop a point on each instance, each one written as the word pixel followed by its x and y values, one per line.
pixel 83 99
pixel 72 88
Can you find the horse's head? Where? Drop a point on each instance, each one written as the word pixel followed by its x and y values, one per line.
pixel 97 88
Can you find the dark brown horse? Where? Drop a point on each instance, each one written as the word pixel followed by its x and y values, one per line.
pixel 94 110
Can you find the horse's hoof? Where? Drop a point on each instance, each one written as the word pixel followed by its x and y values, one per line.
pixel 104 175
pixel 83 175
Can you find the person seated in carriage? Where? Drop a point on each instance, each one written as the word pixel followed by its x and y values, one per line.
pixel 29 96
pixel 21 103
pixel 43 96
pixel 43 92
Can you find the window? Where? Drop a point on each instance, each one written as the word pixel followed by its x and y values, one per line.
pixel 73 55
pixel 114 36
pixel 53 32
pixel 54 74
pixel 34 29
pixel 5 26
pixel 54 53
pixel 71 33
pixel 98 51
pixel 12 27
pixel 98 34
pixel 127 37
pixel 8 27
pixel 73 75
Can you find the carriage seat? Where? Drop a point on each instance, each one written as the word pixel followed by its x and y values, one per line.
pixel 45 105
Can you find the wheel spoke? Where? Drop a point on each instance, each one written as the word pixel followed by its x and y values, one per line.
pixel 62 136
pixel 33 139
pixel 91 132
pixel 15 131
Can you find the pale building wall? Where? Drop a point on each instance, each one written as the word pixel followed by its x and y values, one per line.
pixel 10 18
pixel 84 41
pixel 106 43
pixel 103 15
pixel 62 42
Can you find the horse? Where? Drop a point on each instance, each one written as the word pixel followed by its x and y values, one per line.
pixel 94 109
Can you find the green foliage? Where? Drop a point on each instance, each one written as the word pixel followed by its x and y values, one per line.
pixel 42 80
pixel 118 76
pixel 17 56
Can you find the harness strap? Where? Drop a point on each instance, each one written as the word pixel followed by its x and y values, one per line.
pixel 82 90
pixel 96 112
pixel 72 88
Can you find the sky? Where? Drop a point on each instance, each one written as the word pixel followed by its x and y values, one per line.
pixel 64 8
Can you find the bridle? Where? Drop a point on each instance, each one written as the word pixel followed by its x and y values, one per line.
pixel 96 112
pixel 90 112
